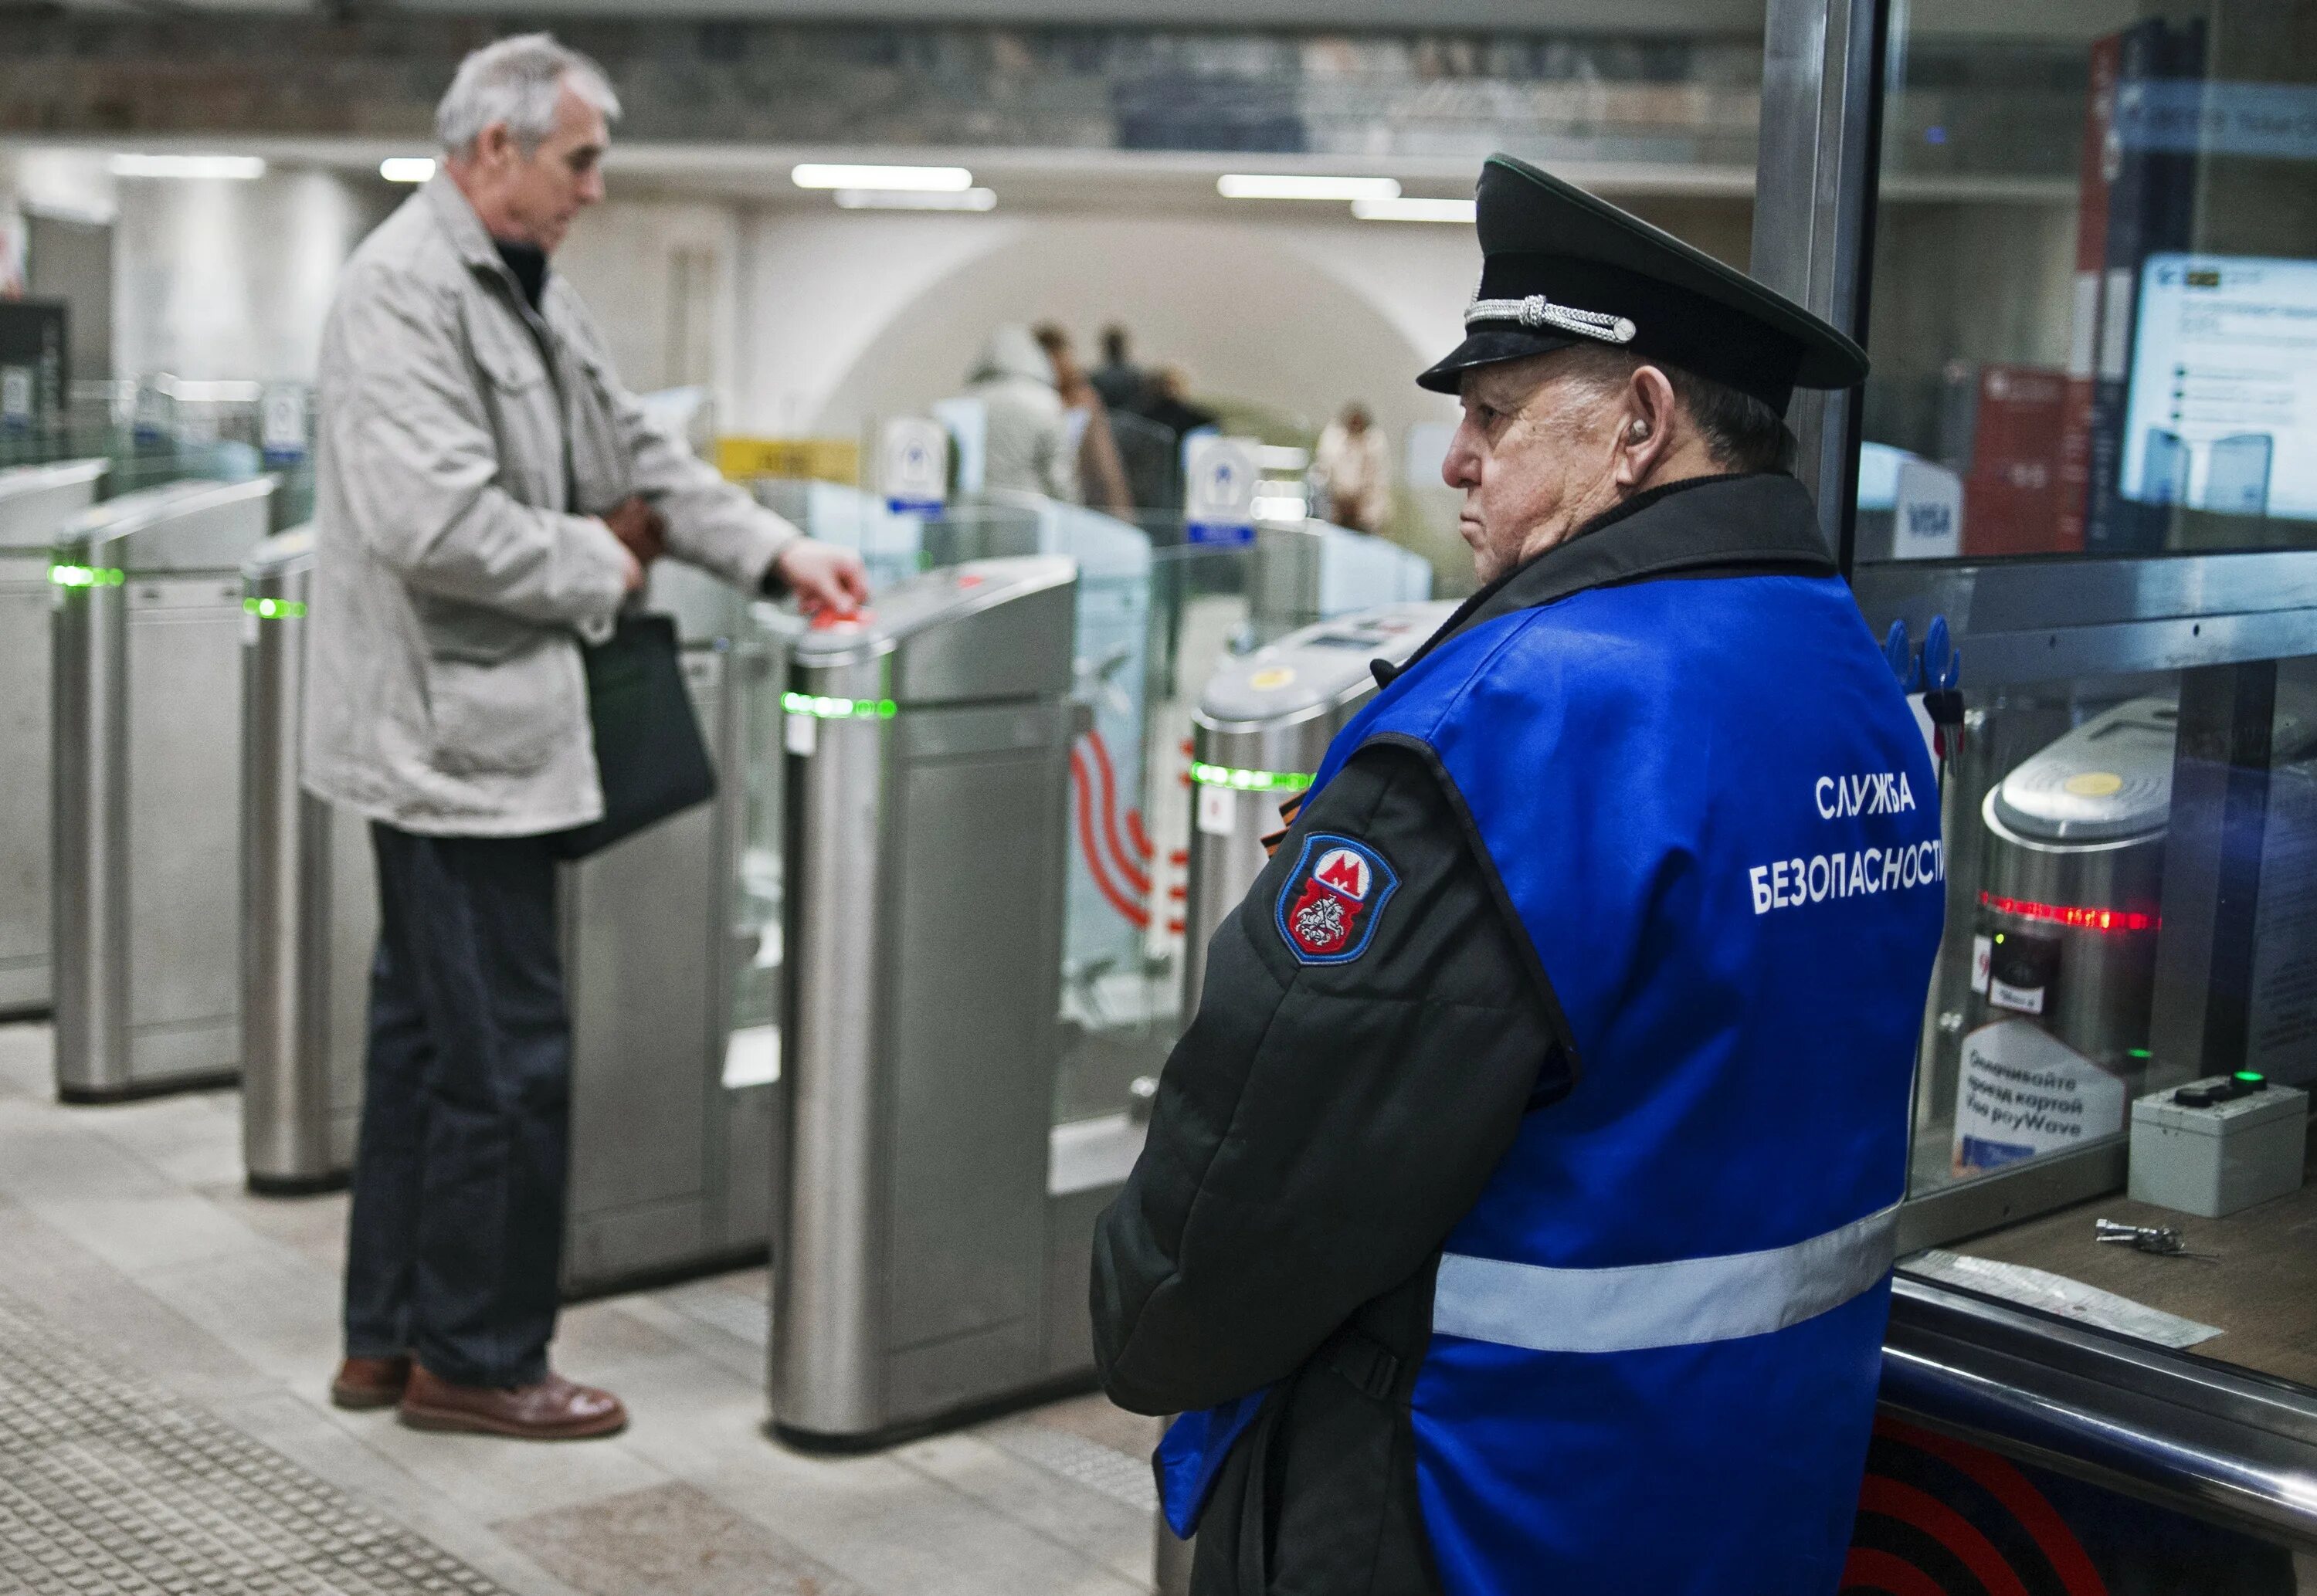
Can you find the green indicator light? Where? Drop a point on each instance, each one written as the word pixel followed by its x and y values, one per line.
pixel 86 576
pixel 2251 1076
pixel 1244 781
pixel 274 608
pixel 821 707
pixel 2137 1053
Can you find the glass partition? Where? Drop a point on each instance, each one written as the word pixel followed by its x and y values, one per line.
pixel 2111 1116
pixel 2094 305
pixel 2094 332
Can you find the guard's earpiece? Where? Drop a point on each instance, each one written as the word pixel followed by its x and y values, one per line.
pixel 1638 431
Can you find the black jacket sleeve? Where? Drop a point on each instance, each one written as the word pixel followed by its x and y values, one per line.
pixel 1320 1128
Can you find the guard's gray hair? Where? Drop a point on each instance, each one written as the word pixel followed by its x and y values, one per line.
pixel 517 81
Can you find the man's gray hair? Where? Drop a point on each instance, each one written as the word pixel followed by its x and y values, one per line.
pixel 517 81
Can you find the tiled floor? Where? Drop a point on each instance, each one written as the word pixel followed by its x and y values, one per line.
pixel 128 1228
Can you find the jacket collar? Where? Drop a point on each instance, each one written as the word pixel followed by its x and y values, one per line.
pixel 468 237
pixel 1700 526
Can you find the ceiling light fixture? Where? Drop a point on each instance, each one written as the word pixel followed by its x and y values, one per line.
pixel 891 180
pixel 238 168
pixel 406 168
pixel 906 199
pixel 1256 186
pixel 1416 211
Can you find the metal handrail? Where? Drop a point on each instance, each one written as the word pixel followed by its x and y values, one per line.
pixel 2167 1426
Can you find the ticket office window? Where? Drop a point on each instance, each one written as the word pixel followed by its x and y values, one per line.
pixel 2093 308
pixel 2123 1021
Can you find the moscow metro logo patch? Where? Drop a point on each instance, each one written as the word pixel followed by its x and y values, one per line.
pixel 1328 910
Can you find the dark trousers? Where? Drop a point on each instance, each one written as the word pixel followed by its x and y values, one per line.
pixel 456 1242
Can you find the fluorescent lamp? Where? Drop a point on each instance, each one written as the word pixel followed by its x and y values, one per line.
pixel 888 200
pixel 406 168
pixel 1416 211
pixel 1252 185
pixel 896 180
pixel 208 392
pixel 238 167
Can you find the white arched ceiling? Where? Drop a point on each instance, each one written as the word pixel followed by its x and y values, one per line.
pixel 1252 309
pixel 818 287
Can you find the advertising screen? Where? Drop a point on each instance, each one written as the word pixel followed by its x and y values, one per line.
pixel 2222 412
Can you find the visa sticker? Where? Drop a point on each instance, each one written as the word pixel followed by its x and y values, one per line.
pixel 1328 908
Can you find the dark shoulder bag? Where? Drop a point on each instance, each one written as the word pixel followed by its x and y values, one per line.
pixel 650 755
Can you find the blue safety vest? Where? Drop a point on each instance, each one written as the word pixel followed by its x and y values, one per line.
pixel 1656 1337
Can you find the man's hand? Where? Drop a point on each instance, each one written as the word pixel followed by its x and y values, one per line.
pixel 823 576
pixel 640 528
pixel 632 578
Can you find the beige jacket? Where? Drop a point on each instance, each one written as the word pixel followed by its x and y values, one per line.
pixel 464 446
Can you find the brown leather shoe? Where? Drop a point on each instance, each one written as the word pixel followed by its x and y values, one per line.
pixel 552 1409
pixel 369 1382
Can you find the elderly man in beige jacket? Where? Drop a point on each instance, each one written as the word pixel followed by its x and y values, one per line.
pixel 488 497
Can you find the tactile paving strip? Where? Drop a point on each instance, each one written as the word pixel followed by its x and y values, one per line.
pixel 1089 1463
pixel 110 1485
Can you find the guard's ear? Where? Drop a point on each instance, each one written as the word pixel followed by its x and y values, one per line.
pixel 1646 431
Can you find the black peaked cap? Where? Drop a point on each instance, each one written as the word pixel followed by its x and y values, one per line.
pixel 1595 266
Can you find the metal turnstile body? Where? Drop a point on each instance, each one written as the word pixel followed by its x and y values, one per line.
pixel 35 501
pixel 1261 729
pixel 674 1129
pixel 928 770
pixel 672 1146
pixel 1308 571
pixel 146 697
pixel 309 906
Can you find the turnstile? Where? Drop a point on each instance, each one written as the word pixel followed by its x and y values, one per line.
pixel 1306 571
pixel 938 1224
pixel 672 1128
pixel 1261 729
pixel 146 732
pixel 34 502
pixel 309 906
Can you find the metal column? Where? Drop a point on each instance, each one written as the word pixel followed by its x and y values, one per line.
pixel 146 731
pixel 309 914
pixel 1813 208
pixel 927 761
pixel 35 501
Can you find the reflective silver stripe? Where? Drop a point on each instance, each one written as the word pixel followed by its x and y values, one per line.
pixel 1678 1304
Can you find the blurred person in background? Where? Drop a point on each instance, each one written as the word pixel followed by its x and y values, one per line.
pixel 1101 476
pixel 488 497
pixel 1353 465
pixel 1170 404
pixel 1028 443
pixel 1123 384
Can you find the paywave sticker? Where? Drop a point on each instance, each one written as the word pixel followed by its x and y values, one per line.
pixel 1328 909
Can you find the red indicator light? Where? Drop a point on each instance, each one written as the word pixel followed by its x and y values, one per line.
pixel 2068 915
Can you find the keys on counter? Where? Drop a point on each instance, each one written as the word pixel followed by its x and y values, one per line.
pixel 2163 1240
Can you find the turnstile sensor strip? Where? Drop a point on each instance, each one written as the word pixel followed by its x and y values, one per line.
pixel 828 709
pixel 274 608
pixel 1244 781
pixel 86 576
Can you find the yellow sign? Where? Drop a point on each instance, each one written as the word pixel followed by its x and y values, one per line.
pixel 1272 680
pixel 821 459
pixel 2096 784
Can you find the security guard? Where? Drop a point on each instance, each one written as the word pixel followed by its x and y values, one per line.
pixel 1517 1210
